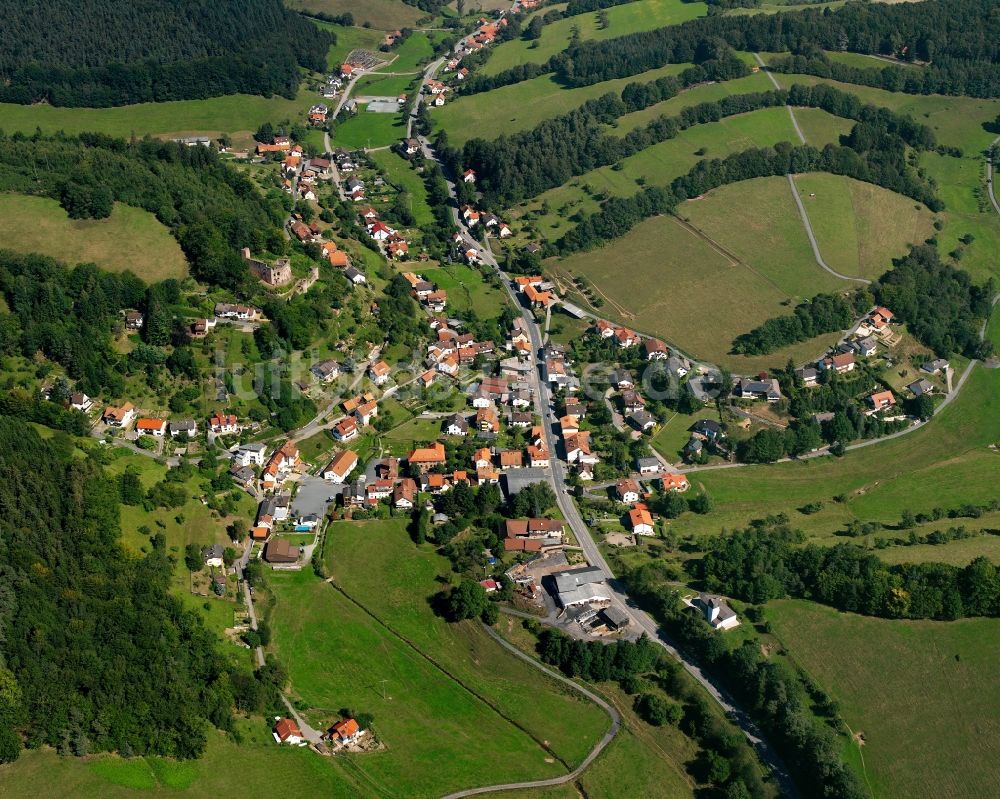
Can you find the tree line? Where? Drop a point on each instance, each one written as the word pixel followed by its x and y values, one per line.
pixel 956 30
pixel 113 52
pixel 770 691
pixel 824 313
pixel 90 172
pixel 945 76
pixel 513 168
pixel 884 165
pixel 766 561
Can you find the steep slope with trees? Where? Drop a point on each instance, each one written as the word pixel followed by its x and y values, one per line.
pixel 118 52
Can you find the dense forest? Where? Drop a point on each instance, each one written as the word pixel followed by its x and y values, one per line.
pixel 938 31
pixel 119 52
pixel 97 655
pixel 766 561
pixel 211 209
pixel 513 168
pixel 941 306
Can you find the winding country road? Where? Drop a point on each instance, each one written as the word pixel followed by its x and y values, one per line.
pixel 989 175
pixel 609 736
pixel 812 238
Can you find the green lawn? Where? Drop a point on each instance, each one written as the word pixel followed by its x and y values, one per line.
pixel 366 130
pixel 233 114
pixel 382 650
pixel 399 172
pixel 130 238
pixel 383 15
pixel 861 227
pixel 921 693
pixel 523 105
pixel 413 53
pixel 467 289
pixel 641 15
pixel 375 85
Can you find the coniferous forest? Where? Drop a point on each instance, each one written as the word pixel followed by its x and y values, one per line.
pixel 118 52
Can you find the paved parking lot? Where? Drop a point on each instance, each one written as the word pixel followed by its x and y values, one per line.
pixel 312 495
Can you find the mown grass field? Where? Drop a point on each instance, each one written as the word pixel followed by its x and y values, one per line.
pixel 383 15
pixel 130 238
pixel 412 53
pixel 861 227
pixel 921 693
pixel 821 128
pixel 366 130
pixel 234 114
pixel 523 105
pixel 944 464
pixel 376 85
pixel 642 15
pixel 418 673
pixel 551 212
pixel 689 276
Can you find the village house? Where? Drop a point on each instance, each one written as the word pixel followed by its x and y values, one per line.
pixel 425 458
pixel 881 400
pixel 808 375
pixel 511 459
pixel 403 494
pixel 184 427
pixel 250 454
pixel 223 424
pixel 675 482
pixel 538 457
pixel 921 387
pixel 642 421
pixel 365 412
pixel 346 732
pixel 326 370
pixel 244 313
pixel 355 276
pixel 628 491
pixel 213 556
pixel 345 429
pixel 647 465
pixel 152 427
pixel 935 367
pixel 841 363
pixel 455 425
pixel 280 551
pixel 716 611
pixel 133 320
pixel 287 731
pixel 640 521
pixel 340 467
pixel 764 388
pixel 121 416
pixel 654 350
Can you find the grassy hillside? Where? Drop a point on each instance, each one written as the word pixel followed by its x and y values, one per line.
pixel 860 227
pixel 523 105
pixel 916 742
pixel 376 645
pixel 641 15
pixel 129 239
pixel 234 114
pixel 383 15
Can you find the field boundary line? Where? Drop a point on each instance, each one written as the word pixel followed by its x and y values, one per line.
pixel 513 722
